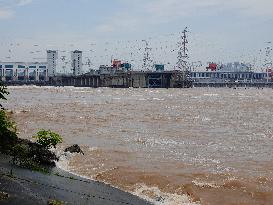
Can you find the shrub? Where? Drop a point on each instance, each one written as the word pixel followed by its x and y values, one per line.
pixel 33 156
pixel 55 202
pixel 48 139
pixel 8 134
pixel 3 92
pixel 20 153
pixel 5 123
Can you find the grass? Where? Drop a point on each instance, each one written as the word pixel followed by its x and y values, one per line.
pixel 55 202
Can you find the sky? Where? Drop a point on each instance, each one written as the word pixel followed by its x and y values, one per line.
pixel 219 30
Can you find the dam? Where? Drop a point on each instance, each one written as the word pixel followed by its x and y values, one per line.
pixel 135 79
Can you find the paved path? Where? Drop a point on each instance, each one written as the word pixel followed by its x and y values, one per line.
pixel 35 188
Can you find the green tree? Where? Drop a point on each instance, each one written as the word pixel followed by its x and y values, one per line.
pixel 8 134
pixel 7 127
pixel 48 139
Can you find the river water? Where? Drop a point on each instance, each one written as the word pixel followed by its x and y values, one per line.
pixel 171 146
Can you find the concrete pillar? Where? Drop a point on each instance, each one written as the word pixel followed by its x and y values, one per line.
pixel 26 74
pixel 3 74
pixel 37 77
pixel 46 75
pixel 161 79
pixel 15 74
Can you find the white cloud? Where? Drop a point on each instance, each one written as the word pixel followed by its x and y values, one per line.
pixel 7 7
pixel 144 13
pixel 14 3
pixel 6 13
pixel 105 28
pixel 23 2
pixel 179 8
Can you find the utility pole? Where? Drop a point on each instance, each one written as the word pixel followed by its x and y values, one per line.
pixel 147 61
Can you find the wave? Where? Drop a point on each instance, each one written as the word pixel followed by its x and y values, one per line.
pixel 151 194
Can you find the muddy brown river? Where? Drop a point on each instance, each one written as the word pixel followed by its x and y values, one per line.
pixel 170 146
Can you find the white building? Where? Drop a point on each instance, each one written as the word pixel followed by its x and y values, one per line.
pixel 22 71
pixel 52 57
pixel 76 59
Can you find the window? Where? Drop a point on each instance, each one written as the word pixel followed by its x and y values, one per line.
pixel 21 66
pixel 8 66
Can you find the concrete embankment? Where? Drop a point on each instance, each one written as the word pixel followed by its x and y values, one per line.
pixel 29 187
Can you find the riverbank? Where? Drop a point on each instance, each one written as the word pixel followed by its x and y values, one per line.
pixel 28 187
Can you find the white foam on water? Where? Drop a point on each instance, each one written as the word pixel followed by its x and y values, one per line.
pixel 157 197
pixel 63 162
pixel 205 184
pixel 158 99
pixel 211 94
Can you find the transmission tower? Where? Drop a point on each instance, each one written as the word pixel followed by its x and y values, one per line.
pixel 183 57
pixel 268 59
pixel 147 61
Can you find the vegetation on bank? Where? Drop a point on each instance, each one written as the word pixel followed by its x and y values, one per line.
pixel 48 139
pixel 8 136
pixel 55 202
pixel 26 153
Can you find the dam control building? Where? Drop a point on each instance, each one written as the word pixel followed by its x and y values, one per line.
pixel 37 71
pixel 52 57
pixel 76 59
